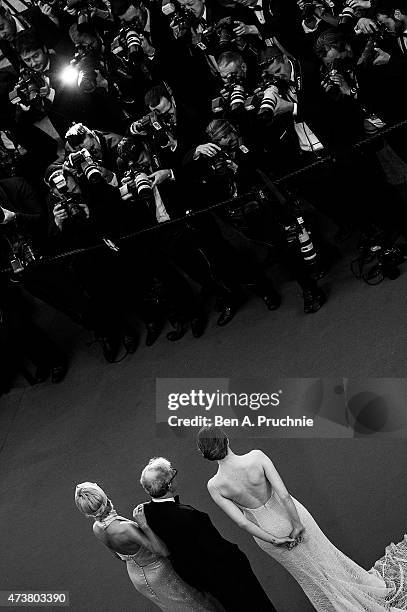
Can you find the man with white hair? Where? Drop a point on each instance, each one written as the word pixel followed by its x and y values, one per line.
pixel 199 554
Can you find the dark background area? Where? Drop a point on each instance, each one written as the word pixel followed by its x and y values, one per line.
pixel 100 426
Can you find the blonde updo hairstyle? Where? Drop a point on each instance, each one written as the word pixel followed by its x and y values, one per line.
pixel 92 501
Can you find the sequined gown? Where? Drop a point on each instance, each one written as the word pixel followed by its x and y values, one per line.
pixel 153 576
pixel 332 581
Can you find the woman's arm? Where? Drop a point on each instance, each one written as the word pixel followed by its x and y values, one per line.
pixel 279 487
pixel 157 545
pixel 238 517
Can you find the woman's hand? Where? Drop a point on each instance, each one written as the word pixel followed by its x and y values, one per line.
pixel 366 26
pixel 139 516
pixel 287 542
pixel 298 533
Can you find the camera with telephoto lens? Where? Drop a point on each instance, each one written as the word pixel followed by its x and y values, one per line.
pixel 179 16
pixel 28 88
pixel 82 162
pixel 135 182
pixel 264 99
pixel 127 45
pixel 85 63
pixel 232 96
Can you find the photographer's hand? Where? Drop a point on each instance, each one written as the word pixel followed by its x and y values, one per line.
pixel 46 10
pixel 147 47
pixel 242 29
pixel 363 4
pixel 9 216
pixel 337 79
pixel 282 106
pixel 208 150
pixel 60 215
pixel 366 26
pixel 381 58
pixel 159 176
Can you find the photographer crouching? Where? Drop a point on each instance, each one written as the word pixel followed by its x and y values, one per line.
pixel 228 168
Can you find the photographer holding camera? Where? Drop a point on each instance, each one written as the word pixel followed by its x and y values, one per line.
pixel 228 167
pixel 195 245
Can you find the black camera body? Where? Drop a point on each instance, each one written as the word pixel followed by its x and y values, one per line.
pixel 179 16
pixel 28 89
pixel 153 128
pixel 126 46
pixel 82 162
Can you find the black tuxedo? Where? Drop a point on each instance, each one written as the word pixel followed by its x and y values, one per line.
pixel 204 559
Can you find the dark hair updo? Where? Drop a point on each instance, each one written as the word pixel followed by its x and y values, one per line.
pixel 213 443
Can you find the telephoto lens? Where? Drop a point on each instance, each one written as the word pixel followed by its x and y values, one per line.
pixel 237 97
pixel 91 171
pixel 133 43
pixel 143 186
pixel 269 101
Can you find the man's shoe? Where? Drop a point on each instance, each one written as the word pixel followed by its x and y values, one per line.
pixel 228 312
pixel 58 372
pixel 130 342
pixel 198 325
pixel 313 300
pixel 111 346
pixel 272 300
pixel 153 333
pixel 179 331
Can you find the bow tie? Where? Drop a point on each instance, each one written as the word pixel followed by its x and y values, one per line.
pixel 176 499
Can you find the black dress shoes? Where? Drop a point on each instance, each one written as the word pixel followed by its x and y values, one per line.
pixel 111 346
pixel 153 333
pixel 198 325
pixel 179 331
pixel 313 300
pixel 227 313
pixel 130 342
pixel 272 300
pixel 58 372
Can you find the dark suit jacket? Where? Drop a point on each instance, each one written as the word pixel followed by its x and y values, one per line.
pixel 19 197
pixel 204 559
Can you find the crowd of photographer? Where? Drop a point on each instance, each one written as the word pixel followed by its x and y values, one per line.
pixel 123 121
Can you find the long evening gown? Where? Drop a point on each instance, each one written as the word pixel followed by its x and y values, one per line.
pixel 332 581
pixel 154 577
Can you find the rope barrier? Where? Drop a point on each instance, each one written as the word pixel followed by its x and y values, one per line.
pixel 327 159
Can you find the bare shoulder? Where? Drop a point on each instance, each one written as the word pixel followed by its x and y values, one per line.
pixel 256 454
pixel 211 484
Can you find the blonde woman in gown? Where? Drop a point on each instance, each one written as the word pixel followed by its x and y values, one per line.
pixel 145 555
pixel 250 491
